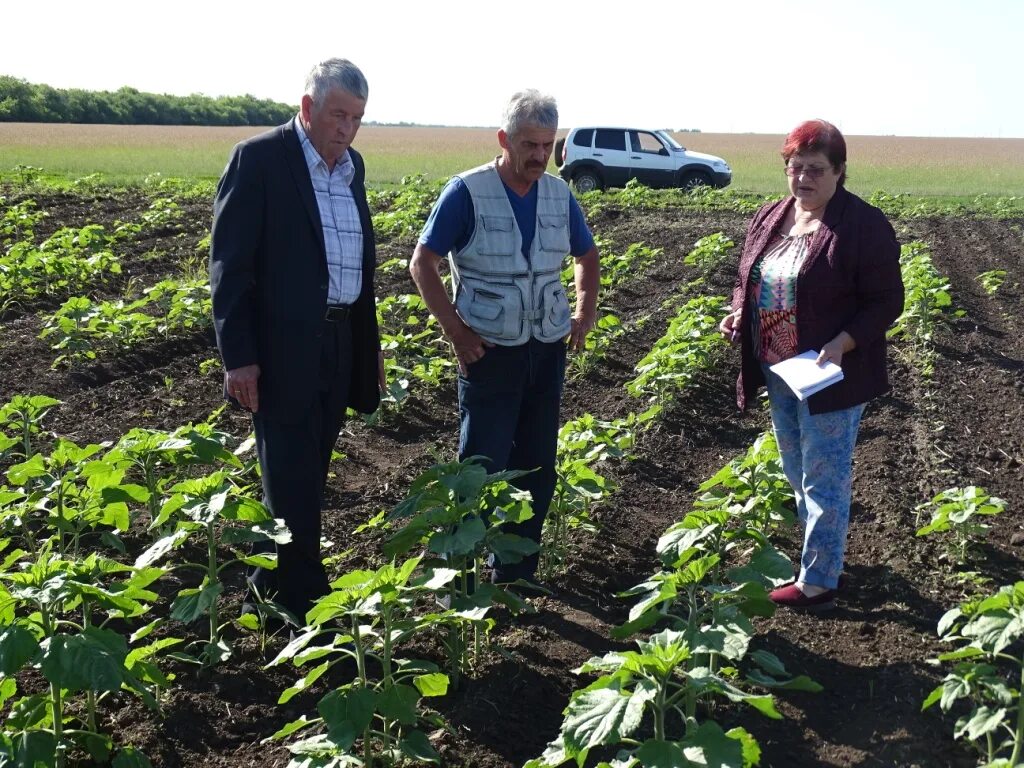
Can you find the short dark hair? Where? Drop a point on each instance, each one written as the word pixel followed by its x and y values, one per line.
pixel 817 136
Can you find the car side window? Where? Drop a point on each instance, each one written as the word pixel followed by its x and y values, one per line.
pixel 609 139
pixel 646 142
pixel 584 138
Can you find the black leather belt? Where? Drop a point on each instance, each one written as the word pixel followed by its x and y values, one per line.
pixel 338 314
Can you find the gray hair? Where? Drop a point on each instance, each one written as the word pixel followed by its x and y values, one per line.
pixel 335 73
pixel 530 107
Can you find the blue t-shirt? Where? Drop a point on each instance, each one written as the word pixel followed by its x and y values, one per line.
pixel 453 220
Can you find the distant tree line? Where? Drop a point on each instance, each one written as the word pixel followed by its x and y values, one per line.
pixel 24 102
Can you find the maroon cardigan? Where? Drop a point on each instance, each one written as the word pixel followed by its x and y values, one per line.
pixel 850 281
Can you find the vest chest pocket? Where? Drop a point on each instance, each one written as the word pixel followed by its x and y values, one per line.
pixel 493 311
pixel 495 236
pixel 553 232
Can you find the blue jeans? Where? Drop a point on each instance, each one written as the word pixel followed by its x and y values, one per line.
pixel 508 406
pixel 817 457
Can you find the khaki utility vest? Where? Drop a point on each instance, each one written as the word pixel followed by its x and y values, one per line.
pixel 498 293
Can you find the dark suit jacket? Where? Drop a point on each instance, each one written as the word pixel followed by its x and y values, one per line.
pixel 268 276
pixel 850 281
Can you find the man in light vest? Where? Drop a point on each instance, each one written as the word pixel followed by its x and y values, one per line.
pixel 507 228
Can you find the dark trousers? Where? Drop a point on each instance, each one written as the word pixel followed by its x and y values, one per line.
pixel 508 405
pixel 294 459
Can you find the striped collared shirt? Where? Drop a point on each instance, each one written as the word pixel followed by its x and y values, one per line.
pixel 343 234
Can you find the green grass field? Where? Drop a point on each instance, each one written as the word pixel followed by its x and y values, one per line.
pixel 961 168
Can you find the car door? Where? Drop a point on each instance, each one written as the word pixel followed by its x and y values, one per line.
pixel 610 151
pixel 650 161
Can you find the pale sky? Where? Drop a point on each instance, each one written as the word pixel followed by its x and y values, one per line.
pixel 903 67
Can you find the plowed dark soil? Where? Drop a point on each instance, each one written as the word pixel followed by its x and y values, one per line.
pixel 964 427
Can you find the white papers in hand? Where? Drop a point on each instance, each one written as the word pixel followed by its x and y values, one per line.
pixel 804 376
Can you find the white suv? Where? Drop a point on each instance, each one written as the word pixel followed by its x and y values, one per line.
pixel 595 158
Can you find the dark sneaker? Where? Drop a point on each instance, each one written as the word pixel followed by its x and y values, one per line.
pixel 791 597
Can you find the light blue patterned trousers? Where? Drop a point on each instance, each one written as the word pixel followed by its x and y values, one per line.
pixel 817 457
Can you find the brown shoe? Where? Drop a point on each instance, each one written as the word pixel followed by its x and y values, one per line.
pixel 791 597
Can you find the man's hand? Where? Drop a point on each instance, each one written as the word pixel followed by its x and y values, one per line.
pixel 469 346
pixel 587 279
pixel 582 324
pixel 242 385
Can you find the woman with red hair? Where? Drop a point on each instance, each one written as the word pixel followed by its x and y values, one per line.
pixel 819 271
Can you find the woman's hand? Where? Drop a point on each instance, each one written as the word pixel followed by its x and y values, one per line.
pixel 731 325
pixel 833 351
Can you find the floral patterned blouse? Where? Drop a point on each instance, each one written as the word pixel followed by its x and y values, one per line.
pixel 773 299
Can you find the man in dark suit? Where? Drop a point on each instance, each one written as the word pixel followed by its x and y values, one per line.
pixel 291 271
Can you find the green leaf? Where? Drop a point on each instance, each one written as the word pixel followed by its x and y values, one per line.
pixel 93 660
pixel 798 683
pixel 463 541
pixel 125 492
pixel 763 704
pixel 267 561
pixel 680 539
pixel 399 703
pixel 967 652
pixel 299 641
pixel 98 745
pixel 661 754
pixel 347 713
pixel 728 639
pixel 600 716
pixel 290 728
pixel 767 565
pixel 933 697
pixel 17 646
pixel 646 621
pixel 436 578
pixel 191 604
pixel 250 511
pixel 130 757
pixel 216 653
pixel 434 684
pixel 995 631
pixel 718 749
pixel 303 683
pixel 416 746
pixel 470 479
pixel 511 548
pixel 33 749
pixel 160 548
pixel 751 749
pixel 8 687
pixel 29 712
pixel 983 721
pixel 116 516
pixel 554 756
pixel 769 662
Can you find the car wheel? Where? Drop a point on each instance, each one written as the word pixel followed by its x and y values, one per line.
pixel 587 181
pixel 558 152
pixel 694 179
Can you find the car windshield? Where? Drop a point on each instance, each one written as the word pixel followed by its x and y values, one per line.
pixel 667 138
